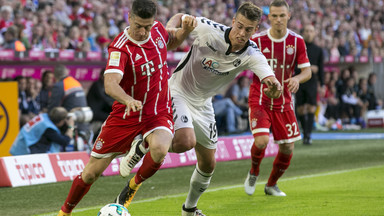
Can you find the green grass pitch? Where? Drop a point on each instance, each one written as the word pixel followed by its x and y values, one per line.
pixel 332 177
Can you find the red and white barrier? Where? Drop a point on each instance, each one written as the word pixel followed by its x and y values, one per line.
pixel 47 168
pixel 41 168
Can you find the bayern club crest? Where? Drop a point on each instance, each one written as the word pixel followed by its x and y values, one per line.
pixel 99 144
pixel 253 122
pixel 160 43
pixel 290 49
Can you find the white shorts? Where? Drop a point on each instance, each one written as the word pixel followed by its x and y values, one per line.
pixel 201 118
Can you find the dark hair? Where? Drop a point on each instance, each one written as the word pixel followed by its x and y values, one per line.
pixel 60 72
pixel 279 3
pixel 250 11
pixel 144 8
pixel 57 114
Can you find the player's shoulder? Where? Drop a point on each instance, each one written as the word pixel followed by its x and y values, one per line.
pixel 259 34
pixel 119 41
pixel 205 23
pixel 294 34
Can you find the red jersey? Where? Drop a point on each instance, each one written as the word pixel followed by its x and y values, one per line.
pixel 145 72
pixel 282 55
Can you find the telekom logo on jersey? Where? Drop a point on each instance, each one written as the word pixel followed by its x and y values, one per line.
pixel 272 63
pixel 148 68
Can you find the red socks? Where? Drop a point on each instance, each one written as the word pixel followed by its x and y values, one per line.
pixel 78 190
pixel 257 155
pixel 280 164
pixel 147 169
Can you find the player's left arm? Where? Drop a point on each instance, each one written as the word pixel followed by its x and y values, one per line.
pixel 293 83
pixel 178 28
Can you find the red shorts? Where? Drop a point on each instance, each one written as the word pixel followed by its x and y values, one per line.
pixel 117 134
pixel 283 124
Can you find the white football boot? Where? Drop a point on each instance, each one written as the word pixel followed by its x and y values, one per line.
pixel 250 184
pixel 191 212
pixel 133 157
pixel 273 191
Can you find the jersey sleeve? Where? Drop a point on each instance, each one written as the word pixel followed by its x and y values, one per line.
pixel 259 66
pixel 205 25
pixel 117 61
pixel 302 57
pixel 163 31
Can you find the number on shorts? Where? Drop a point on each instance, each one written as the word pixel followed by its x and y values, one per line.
pixel 213 130
pixel 290 131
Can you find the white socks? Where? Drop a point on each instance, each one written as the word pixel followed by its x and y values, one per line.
pixel 199 183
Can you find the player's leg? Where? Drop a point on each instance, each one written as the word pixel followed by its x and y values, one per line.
pixel 200 179
pixel 158 134
pixel 206 135
pixel 185 137
pixel 82 183
pixel 104 150
pixel 285 132
pixel 259 124
pixel 311 103
pixel 301 110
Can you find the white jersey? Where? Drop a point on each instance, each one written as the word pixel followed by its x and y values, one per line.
pixel 209 65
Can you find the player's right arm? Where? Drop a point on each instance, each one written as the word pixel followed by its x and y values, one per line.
pixel 113 89
pixel 178 28
pixel 117 61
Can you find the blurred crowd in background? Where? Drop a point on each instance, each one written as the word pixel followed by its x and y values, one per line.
pixel 345 27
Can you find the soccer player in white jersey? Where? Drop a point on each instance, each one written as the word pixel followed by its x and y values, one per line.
pixel 218 54
pixel 284 50
pixel 136 76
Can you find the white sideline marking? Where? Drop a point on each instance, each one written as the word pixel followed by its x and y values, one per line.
pixel 227 188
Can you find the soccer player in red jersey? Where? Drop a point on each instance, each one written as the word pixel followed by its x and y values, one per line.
pixel 136 76
pixel 284 50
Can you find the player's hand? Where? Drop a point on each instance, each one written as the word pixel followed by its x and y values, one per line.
pixel 188 23
pixel 274 87
pixel 133 105
pixel 293 84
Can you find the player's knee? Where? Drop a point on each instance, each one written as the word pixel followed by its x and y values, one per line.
pixel 286 148
pixel 183 143
pixel 261 142
pixel 158 152
pixel 89 177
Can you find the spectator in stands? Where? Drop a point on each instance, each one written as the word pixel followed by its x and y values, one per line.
pixel 11 40
pixel 47 80
pixel 238 93
pixel 61 13
pixel 74 38
pixel 23 100
pixel 351 106
pixel 33 91
pixel 226 113
pixel 45 133
pixel 100 102
pixel 374 102
pixel 87 16
pixel 6 12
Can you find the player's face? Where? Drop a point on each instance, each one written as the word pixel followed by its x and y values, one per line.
pixel 139 28
pixel 279 16
pixel 242 30
pixel 309 33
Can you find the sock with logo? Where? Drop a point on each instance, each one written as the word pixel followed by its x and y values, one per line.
pixel 257 156
pixel 78 189
pixel 147 169
pixel 280 164
pixel 198 184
